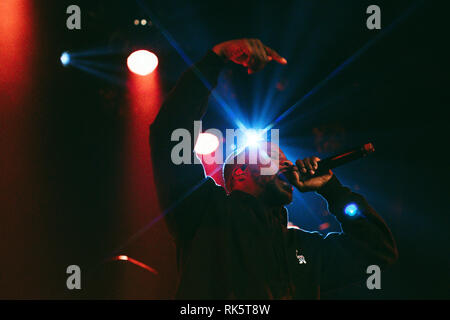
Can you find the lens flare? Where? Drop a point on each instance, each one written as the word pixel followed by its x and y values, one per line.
pixel 253 137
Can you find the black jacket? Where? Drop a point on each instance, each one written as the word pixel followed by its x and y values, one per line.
pixel 231 246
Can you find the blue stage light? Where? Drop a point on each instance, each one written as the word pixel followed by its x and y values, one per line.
pixel 65 58
pixel 253 137
pixel 351 210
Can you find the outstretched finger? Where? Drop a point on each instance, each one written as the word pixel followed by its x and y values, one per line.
pixel 275 56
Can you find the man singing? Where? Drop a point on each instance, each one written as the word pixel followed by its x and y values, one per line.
pixel 234 243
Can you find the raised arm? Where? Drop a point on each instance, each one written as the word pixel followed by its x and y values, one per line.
pixel 187 103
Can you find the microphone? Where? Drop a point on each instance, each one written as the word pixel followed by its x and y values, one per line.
pixel 324 165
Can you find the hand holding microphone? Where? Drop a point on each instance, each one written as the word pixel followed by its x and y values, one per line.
pixel 312 173
pixel 303 175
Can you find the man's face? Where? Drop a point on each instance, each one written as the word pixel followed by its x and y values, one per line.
pixel 274 188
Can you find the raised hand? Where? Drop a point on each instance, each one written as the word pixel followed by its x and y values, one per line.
pixel 301 174
pixel 250 53
pixel 306 169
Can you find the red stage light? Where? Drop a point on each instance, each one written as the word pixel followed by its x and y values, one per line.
pixel 206 143
pixel 142 62
pixel 136 262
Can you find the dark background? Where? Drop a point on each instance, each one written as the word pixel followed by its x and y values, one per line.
pixel 75 174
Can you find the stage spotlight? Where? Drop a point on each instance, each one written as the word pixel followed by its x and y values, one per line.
pixel 253 137
pixel 136 22
pixel 142 62
pixel 143 22
pixel 206 143
pixel 351 210
pixel 65 58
